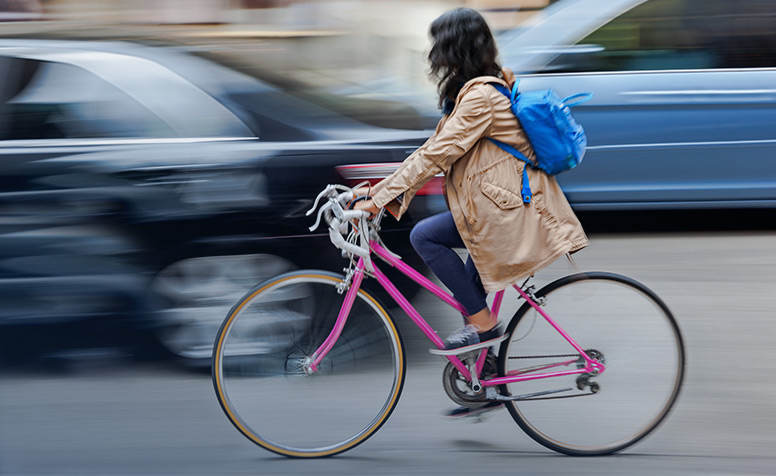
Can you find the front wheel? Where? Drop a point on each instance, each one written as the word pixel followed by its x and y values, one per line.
pixel 259 366
pixel 618 322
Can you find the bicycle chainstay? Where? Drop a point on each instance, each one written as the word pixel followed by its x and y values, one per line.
pixel 554 398
pixel 555 356
pixel 544 356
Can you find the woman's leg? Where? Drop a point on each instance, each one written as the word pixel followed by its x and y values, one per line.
pixel 434 239
pixel 481 320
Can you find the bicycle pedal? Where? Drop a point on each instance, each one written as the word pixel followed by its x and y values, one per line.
pixel 470 348
pixel 475 415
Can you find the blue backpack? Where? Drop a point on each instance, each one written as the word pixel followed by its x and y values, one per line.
pixel 557 139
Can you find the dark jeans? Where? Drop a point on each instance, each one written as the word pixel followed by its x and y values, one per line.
pixel 434 239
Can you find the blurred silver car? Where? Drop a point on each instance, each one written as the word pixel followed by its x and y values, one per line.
pixel 683 113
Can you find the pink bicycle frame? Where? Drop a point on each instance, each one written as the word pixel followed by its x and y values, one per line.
pixel 591 365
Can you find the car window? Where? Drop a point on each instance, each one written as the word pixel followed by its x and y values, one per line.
pixel 47 100
pixel 679 34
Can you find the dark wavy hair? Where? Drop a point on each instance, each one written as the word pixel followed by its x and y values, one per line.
pixel 462 48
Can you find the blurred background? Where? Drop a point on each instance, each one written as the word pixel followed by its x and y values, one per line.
pixel 157 158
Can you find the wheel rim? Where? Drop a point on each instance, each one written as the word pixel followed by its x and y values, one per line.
pixel 264 389
pixel 642 351
pixel 200 291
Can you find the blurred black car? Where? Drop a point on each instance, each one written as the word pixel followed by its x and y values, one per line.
pixel 144 190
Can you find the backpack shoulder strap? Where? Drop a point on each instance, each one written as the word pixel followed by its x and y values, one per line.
pixel 500 88
pixel 525 189
pixel 508 148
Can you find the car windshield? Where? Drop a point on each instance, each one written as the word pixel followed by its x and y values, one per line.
pixel 54 101
pixel 390 103
pixel 678 34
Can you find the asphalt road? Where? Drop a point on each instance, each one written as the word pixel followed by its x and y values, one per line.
pixel 108 416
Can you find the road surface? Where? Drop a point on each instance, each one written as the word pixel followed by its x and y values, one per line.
pixel 109 416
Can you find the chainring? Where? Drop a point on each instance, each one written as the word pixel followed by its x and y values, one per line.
pixel 460 391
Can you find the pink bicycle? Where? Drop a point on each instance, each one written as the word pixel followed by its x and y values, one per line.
pixel 310 364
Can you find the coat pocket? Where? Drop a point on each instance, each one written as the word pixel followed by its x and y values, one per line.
pixel 503 198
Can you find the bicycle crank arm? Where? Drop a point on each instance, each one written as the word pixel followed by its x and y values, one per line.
pixel 492 394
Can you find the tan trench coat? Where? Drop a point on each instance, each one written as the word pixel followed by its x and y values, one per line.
pixel 506 238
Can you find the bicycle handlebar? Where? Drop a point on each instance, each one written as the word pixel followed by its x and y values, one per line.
pixel 338 218
pixel 339 241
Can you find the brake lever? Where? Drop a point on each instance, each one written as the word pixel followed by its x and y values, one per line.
pixel 320 213
pixel 323 193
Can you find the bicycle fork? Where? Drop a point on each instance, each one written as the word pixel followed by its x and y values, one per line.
pixel 310 365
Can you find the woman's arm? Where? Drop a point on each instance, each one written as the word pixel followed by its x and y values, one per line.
pixel 469 121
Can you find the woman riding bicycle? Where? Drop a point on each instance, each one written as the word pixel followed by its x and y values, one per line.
pixel 303 371
pixel 506 238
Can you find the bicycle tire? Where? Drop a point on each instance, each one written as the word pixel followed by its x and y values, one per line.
pixel 262 388
pixel 581 426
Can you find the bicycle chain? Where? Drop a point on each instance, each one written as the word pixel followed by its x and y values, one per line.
pixel 544 356
pixel 555 398
pixel 550 357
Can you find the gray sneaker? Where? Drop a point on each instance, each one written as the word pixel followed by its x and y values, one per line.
pixel 468 335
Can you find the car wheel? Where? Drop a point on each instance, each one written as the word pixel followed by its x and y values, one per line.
pixel 197 294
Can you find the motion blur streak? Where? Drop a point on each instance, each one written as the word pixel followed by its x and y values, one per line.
pixel 157 159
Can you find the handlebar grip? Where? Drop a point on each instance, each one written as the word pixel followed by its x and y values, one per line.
pixel 339 241
pixel 345 197
pixel 354 214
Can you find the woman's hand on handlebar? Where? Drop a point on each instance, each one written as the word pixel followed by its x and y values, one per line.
pixel 363 202
pixel 367 205
pixel 362 192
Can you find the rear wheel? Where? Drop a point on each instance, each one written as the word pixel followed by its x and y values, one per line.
pixel 618 322
pixel 259 366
